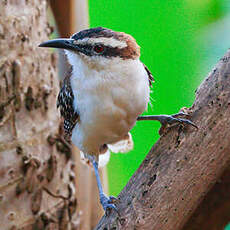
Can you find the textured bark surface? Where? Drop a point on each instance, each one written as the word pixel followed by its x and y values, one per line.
pixel 36 170
pixel 182 166
pixel 214 211
pixel 70 18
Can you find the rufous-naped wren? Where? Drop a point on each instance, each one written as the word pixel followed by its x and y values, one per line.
pixel 104 94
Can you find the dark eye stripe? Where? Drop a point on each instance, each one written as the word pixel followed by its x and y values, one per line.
pixel 86 49
pixel 108 51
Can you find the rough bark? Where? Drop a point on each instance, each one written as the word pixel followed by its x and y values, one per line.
pixel 36 169
pixel 70 18
pixel 214 211
pixel 182 166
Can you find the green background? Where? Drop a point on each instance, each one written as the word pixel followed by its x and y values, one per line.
pixel 175 38
pixel 180 41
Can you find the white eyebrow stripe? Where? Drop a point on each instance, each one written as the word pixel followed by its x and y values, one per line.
pixel 106 41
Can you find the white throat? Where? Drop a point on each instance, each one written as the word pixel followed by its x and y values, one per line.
pixel 102 68
pixel 76 62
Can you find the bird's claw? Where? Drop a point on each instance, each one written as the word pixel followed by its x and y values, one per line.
pixel 108 203
pixel 113 200
pixel 167 119
pixel 174 119
pixel 108 209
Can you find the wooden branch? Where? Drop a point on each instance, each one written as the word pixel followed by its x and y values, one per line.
pixel 214 211
pixel 182 166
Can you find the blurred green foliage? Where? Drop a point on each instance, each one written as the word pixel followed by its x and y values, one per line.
pixel 170 34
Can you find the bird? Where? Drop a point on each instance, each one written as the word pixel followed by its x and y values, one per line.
pixel 104 95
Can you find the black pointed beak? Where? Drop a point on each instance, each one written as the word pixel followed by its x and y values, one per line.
pixel 61 43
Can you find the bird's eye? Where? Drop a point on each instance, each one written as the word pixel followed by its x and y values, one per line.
pixel 98 48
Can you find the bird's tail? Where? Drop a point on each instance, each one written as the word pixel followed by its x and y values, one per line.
pixel 122 146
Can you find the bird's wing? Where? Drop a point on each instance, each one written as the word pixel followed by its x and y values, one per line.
pixel 65 104
pixel 151 78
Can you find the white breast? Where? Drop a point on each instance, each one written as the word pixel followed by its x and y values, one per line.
pixel 108 100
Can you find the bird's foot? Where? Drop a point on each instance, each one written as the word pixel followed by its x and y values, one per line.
pixel 174 119
pixel 171 120
pixel 108 203
pixel 113 199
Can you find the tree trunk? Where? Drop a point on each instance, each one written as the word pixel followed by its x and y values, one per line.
pixel 182 166
pixel 36 167
pixel 71 18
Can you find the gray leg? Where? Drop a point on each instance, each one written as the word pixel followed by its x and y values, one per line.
pixel 167 119
pixel 106 202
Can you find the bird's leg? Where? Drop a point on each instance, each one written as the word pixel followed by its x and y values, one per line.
pixel 106 202
pixel 168 119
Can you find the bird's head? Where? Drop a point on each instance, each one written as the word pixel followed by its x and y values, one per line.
pixel 97 47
